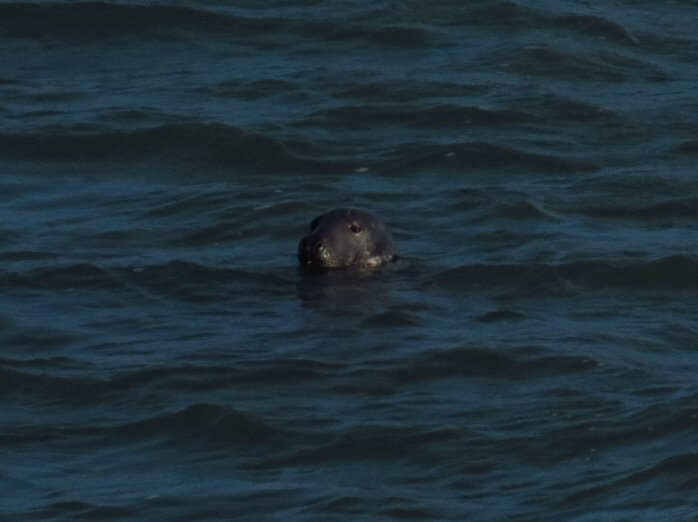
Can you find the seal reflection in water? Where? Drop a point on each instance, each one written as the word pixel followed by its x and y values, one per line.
pixel 347 238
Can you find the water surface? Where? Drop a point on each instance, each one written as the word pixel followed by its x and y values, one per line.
pixel 533 354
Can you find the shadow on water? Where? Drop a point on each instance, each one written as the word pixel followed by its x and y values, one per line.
pixel 353 290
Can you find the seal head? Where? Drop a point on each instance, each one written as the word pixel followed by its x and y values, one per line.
pixel 346 238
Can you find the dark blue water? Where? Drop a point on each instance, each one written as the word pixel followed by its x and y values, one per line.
pixel 532 356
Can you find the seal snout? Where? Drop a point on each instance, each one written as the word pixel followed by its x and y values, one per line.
pixel 304 251
pixel 319 251
pixel 312 251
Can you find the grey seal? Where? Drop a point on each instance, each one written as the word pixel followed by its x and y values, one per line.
pixel 347 237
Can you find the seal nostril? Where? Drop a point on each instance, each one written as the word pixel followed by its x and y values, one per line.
pixel 304 253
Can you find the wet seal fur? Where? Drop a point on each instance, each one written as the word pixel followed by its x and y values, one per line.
pixel 347 237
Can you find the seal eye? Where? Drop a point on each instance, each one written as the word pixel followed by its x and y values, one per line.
pixel 355 228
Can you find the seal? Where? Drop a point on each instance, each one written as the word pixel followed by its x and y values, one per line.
pixel 346 237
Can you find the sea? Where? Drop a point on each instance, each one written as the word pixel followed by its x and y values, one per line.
pixel 533 354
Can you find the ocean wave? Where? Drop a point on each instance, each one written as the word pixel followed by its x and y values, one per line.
pixel 381 35
pixel 678 470
pixel 606 66
pixel 516 17
pixel 680 208
pixel 90 21
pixel 669 273
pixel 76 510
pixel 186 278
pixel 500 315
pixel 476 362
pixel 99 20
pixel 500 14
pixel 203 422
pixel 252 90
pixel 443 115
pixel 481 155
pixel 552 107
pixel 27 256
pixel 210 378
pixel 79 21
pixel 33 381
pixel 593 25
pixel 175 279
pixel 392 91
pixel 392 319
pixel 72 276
pixel 375 443
pixel 288 371
pixel 198 422
pixel 654 422
pixel 519 210
pixel 196 144
pixel 687 148
pixel 43 378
